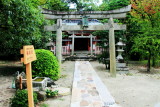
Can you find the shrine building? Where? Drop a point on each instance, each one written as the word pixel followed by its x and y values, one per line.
pixel 83 41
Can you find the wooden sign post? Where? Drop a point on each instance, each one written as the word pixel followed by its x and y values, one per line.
pixel 29 56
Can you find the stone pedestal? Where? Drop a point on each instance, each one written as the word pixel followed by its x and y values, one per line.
pixel 121 67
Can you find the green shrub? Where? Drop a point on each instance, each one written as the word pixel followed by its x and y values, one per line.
pixel 46 65
pixel 103 58
pixel 50 93
pixel 21 99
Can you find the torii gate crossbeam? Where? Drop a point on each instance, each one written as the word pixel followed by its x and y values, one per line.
pixel 90 27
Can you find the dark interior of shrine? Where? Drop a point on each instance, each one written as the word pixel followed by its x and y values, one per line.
pixel 81 44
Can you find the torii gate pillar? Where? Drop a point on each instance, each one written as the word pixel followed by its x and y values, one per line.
pixel 59 41
pixel 112 48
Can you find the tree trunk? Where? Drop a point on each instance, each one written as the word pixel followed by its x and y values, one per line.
pixel 153 62
pixel 149 62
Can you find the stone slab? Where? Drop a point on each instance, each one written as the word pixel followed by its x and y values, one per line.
pixel 120 64
pixel 117 13
pixel 62 90
pixel 90 27
pixel 121 10
pixel 122 69
pixel 88 89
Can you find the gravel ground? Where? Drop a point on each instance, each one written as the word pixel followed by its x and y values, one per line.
pixel 65 81
pixel 134 89
pixel 7 69
pixel 6 93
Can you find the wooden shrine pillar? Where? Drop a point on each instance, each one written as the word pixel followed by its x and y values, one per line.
pixel 59 41
pixel 91 44
pixel 73 44
pixel 112 48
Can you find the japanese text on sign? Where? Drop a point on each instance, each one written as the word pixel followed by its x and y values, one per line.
pixel 29 54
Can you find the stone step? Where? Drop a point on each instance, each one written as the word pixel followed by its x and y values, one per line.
pixel 122 69
pixel 120 64
pixel 82 58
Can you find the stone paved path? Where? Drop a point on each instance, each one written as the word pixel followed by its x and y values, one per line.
pixel 88 89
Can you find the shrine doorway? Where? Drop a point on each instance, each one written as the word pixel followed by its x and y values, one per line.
pixel 81 44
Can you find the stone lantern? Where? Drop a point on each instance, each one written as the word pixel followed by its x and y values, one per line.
pixel 120 50
pixel 120 65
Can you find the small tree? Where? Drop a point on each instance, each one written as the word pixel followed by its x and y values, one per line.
pixel 148 46
pixel 146 14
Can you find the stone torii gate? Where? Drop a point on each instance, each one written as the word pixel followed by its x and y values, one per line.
pixel 111 26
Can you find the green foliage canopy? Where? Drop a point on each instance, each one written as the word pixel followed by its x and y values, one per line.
pixel 86 5
pixel 146 15
pixel 21 23
pixel 57 5
pixel 113 4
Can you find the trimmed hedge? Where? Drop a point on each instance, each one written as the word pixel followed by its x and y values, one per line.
pixel 46 65
pixel 21 99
